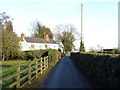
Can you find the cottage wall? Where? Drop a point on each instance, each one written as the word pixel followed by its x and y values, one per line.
pixel 26 46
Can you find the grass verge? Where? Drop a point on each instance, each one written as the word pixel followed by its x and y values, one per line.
pixel 37 82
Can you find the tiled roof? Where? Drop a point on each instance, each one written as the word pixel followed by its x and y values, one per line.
pixel 39 40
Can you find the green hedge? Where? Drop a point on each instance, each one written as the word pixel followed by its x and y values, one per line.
pixel 102 69
pixel 30 55
pixel 53 55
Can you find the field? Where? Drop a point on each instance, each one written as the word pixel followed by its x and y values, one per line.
pixel 17 74
pixel 7 65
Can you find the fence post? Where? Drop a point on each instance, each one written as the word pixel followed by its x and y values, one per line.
pixel 36 69
pixel 29 76
pixel 41 66
pixel 18 77
pixel 44 63
pixel 47 62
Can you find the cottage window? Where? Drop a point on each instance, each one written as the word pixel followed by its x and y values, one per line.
pixel 32 46
pixel 46 46
pixel 40 46
pixel 54 46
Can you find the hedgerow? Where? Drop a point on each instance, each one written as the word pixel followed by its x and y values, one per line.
pixel 102 69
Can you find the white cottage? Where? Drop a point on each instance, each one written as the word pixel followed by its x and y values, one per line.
pixel 30 43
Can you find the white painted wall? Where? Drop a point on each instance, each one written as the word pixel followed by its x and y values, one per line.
pixel 25 46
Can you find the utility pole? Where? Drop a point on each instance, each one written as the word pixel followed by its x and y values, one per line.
pixel 82 48
pixel 81 21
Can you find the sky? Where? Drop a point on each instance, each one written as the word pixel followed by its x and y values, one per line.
pixel 100 18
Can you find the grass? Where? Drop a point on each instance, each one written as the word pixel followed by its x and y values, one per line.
pixel 12 62
pixel 7 64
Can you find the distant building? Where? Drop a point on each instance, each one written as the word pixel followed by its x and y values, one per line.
pixel 30 43
pixel 109 51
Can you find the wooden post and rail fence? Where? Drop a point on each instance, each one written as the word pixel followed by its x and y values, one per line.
pixel 24 73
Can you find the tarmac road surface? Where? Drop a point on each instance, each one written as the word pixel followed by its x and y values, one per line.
pixel 65 75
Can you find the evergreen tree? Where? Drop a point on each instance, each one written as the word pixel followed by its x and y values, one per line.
pixel 9 26
pixel 39 31
pixel 10 45
pixel 82 47
pixel 9 41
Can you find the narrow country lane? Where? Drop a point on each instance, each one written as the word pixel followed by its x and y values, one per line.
pixel 65 75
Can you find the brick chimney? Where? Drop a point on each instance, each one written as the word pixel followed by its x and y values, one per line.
pixel 47 37
pixel 22 37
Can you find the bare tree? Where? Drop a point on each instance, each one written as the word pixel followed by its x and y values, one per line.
pixel 5 19
pixel 65 35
